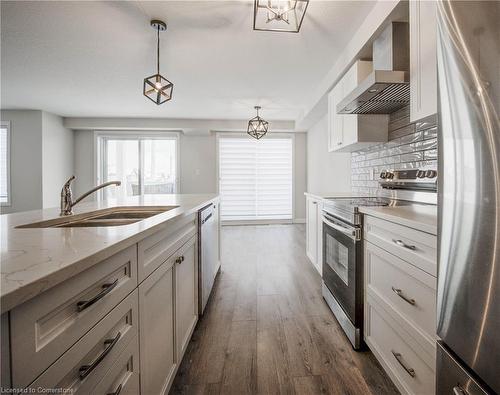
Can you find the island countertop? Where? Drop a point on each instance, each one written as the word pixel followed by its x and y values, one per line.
pixel 35 259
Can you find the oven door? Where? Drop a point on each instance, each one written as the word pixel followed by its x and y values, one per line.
pixel 342 273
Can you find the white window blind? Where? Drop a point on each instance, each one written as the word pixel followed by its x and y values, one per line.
pixel 4 164
pixel 255 178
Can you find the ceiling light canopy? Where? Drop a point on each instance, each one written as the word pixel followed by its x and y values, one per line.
pixel 279 15
pixel 156 87
pixel 257 127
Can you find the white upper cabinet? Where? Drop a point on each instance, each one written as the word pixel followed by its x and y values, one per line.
pixel 423 69
pixel 352 132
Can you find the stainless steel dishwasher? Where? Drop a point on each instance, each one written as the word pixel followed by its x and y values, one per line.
pixel 208 252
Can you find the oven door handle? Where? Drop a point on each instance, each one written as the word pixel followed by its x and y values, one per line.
pixel 352 233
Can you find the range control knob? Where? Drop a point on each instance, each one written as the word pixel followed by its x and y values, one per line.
pixel 431 173
pixel 389 175
pixel 420 173
pixel 383 175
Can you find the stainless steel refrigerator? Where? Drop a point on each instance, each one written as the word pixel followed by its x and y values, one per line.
pixel 468 355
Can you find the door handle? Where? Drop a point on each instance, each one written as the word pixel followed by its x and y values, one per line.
pixel 179 259
pixel 85 370
pixel 117 391
pixel 401 243
pixel 106 289
pixel 399 292
pixel 410 371
pixel 352 233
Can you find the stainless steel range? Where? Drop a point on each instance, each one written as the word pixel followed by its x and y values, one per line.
pixel 342 247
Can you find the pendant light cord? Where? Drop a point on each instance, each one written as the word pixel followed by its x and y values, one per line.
pixel 158 50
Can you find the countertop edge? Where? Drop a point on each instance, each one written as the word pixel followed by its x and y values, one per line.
pixel 30 290
pixel 395 218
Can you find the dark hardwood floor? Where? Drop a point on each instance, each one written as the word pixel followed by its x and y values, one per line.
pixel 267 330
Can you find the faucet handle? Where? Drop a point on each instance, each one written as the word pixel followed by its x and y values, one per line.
pixel 68 183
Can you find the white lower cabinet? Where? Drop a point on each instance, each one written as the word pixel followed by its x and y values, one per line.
pixel 400 305
pixel 156 331
pixel 186 295
pixel 409 366
pixel 168 313
pixel 314 232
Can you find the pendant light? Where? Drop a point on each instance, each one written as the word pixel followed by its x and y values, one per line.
pixel 257 127
pixel 279 15
pixel 156 87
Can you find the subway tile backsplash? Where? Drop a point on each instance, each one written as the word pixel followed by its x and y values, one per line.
pixel 410 145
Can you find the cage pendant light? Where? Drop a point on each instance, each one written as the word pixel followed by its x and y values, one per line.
pixel 156 87
pixel 279 15
pixel 257 127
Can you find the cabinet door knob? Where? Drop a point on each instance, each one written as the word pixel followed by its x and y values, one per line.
pixel 179 259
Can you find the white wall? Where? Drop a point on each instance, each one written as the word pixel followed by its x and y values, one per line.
pixel 198 172
pixel 57 158
pixel 327 172
pixel 25 159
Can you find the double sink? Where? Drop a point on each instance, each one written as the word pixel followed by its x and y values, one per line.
pixel 113 216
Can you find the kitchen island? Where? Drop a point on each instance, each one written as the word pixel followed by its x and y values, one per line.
pixel 82 302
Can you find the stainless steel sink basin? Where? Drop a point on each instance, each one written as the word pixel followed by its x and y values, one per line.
pixel 113 216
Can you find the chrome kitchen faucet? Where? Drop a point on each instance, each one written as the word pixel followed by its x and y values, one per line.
pixel 67 202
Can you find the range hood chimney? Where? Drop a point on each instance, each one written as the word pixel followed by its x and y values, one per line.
pixel 387 88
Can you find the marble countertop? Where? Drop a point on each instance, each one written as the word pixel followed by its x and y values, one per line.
pixel 417 216
pixel 35 259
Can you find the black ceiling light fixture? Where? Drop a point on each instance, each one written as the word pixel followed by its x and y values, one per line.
pixel 257 127
pixel 156 87
pixel 279 15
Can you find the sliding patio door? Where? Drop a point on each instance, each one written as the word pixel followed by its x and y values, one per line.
pixel 144 164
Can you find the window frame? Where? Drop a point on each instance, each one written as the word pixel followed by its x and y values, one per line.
pixel 7 125
pixel 276 135
pixel 100 156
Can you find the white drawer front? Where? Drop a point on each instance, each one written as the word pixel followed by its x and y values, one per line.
pixel 123 377
pixel 86 362
pixel 418 248
pixel 46 326
pixel 411 369
pixel 409 291
pixel 157 248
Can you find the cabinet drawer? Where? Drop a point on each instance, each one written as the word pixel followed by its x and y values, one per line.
pixel 409 291
pixel 418 248
pixel 46 326
pixel 87 361
pixel 123 377
pixel 411 369
pixel 157 248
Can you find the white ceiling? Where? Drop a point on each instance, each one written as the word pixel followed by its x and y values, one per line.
pixel 88 59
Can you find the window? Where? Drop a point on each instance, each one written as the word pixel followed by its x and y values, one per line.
pixel 144 163
pixel 5 163
pixel 255 178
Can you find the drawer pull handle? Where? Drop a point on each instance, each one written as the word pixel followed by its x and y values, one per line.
pixel 458 390
pixel 106 289
pixel 85 370
pixel 117 391
pixel 401 243
pixel 399 292
pixel 179 259
pixel 410 371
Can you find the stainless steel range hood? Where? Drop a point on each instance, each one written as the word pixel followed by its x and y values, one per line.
pixel 387 88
